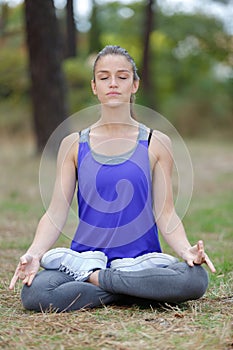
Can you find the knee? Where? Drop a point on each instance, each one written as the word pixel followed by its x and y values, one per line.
pixel 193 281
pixel 35 297
pixel 30 297
pixel 198 281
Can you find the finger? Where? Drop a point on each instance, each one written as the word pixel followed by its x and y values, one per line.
pixel 190 263
pixel 15 277
pixel 13 281
pixel 210 264
pixel 25 280
pixel 205 257
pixel 30 279
pixel 22 275
pixel 200 245
pixel 200 258
pixel 201 250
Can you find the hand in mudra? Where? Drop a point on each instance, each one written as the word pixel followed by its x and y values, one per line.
pixel 196 256
pixel 26 270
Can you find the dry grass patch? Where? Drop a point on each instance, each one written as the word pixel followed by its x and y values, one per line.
pixel 199 324
pixel 203 324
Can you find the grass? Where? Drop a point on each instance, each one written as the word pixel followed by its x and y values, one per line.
pixel 202 324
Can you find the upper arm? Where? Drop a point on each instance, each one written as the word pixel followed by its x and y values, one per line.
pixel 65 182
pixel 161 158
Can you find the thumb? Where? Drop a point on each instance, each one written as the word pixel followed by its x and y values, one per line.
pixel 200 245
pixel 25 259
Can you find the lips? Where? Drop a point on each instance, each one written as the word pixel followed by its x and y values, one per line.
pixel 113 93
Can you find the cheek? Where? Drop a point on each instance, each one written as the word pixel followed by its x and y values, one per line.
pixel 98 88
pixel 130 88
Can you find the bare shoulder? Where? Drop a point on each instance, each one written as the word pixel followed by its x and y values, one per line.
pixel 71 138
pixel 162 138
pixel 69 146
pixel 160 143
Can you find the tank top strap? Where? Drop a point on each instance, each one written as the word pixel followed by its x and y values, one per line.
pixel 143 132
pixel 83 135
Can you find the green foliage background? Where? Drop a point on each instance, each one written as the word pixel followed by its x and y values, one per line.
pixel 186 50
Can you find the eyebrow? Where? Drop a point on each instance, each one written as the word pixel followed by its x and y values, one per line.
pixel 118 71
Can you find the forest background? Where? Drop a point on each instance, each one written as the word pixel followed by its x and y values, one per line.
pixel 184 59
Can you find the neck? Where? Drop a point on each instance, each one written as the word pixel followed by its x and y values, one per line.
pixel 114 114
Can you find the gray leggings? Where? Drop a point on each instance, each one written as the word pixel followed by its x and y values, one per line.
pixel 52 289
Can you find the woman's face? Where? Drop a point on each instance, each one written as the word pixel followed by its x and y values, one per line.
pixel 114 80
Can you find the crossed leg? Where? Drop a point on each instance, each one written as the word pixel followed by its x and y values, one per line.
pixel 176 283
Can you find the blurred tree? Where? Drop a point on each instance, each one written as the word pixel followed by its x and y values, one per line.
pixel 189 48
pixel 191 76
pixel 222 1
pixel 146 61
pixel 4 9
pixel 47 81
pixel 123 27
pixel 95 31
pixel 71 32
pixel 126 27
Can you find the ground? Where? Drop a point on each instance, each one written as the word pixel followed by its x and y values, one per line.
pixel 203 324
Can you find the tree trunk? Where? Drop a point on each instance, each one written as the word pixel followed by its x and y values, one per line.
pixel 95 32
pixel 47 80
pixel 4 12
pixel 71 32
pixel 146 75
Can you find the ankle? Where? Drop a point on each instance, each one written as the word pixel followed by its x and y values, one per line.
pixel 94 278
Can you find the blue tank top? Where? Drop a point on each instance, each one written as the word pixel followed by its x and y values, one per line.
pixel 115 201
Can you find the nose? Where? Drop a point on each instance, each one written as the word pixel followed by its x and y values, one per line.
pixel 113 82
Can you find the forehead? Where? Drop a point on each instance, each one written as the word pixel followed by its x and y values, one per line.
pixel 113 63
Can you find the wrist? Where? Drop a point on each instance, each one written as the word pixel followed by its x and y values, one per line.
pixel 34 254
pixel 184 252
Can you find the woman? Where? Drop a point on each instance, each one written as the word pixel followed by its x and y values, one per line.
pixel 123 170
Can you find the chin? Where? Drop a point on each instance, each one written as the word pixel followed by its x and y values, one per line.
pixel 115 104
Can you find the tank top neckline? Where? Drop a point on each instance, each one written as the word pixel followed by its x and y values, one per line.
pixel 118 158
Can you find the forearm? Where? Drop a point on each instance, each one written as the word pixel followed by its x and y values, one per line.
pixel 174 234
pixel 46 235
